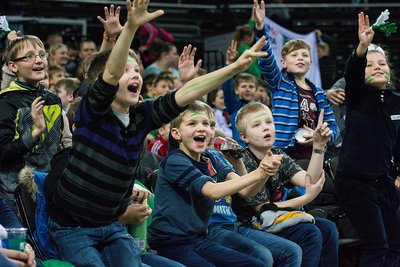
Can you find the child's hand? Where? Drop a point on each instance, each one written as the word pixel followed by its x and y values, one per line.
pixel 336 96
pixel 138 15
pixel 38 117
pixel 365 32
pixel 136 213
pixel 187 69
pixel 248 56
pixel 322 133
pixel 312 190
pixel 231 53
pixel 18 258
pixel 259 14
pixel 12 35
pixel 111 24
pixel 270 163
pixel 139 193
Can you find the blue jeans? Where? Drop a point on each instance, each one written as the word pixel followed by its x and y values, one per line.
pixel 109 245
pixel 373 209
pixel 154 260
pixel 269 248
pixel 198 251
pixel 319 243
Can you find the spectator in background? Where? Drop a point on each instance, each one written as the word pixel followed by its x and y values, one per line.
pixel 262 93
pixel 52 39
pixel 159 146
pixel 58 55
pixel 65 91
pixel 56 73
pixel 166 59
pixel 146 35
pixel 215 100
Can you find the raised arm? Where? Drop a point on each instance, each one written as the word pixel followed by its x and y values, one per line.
pixel 365 34
pixel 268 66
pixel 202 85
pixel 112 27
pixel 137 15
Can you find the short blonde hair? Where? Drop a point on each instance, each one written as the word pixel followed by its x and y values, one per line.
pixel 293 45
pixel 18 44
pixel 242 117
pixel 196 106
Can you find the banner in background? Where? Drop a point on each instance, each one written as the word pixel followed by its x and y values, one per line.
pixel 280 35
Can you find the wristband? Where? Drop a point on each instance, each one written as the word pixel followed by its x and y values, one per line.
pixel 319 151
pixel 111 39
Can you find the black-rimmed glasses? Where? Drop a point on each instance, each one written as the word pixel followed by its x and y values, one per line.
pixel 31 57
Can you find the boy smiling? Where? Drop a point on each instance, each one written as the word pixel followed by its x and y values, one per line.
pixel 190 180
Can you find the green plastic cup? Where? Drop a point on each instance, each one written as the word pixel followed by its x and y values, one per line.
pixel 16 239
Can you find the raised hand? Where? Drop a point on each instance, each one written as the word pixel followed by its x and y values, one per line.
pixel 187 69
pixel 12 35
pixel 248 56
pixel 365 33
pixel 138 15
pixel 259 14
pixel 111 23
pixel 270 163
pixel 38 117
pixel 231 53
pixel 321 133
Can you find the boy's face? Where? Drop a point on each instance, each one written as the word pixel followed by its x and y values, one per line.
pixel 219 100
pixel 246 90
pixel 162 87
pixel 297 62
pixel 194 133
pixel 30 72
pixel 130 85
pixel 262 96
pixel 377 71
pixel 260 130
pixel 164 131
pixel 55 77
pixel 173 57
pixel 65 97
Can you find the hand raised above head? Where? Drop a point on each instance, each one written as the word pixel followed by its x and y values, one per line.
pixel 138 14
pixel 111 23
pixel 248 56
pixel 259 14
pixel 187 69
pixel 231 53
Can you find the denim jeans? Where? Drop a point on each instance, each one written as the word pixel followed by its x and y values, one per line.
pixel 154 260
pixel 319 243
pixel 109 245
pixel 200 252
pixel 269 248
pixel 373 209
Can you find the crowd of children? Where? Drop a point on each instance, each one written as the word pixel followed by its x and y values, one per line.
pixel 212 206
